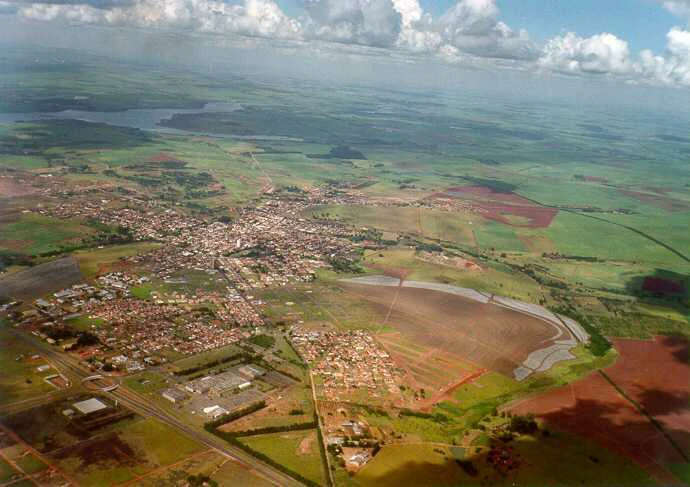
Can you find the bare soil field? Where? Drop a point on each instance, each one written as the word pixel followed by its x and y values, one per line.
pixel 41 279
pixel 486 335
pixel 656 375
pixel 436 371
pixel 505 207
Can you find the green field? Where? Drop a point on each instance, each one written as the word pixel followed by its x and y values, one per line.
pixel 30 464
pixel 94 261
pixel 37 234
pixel 202 359
pixel 20 379
pixel 284 448
pixel 556 460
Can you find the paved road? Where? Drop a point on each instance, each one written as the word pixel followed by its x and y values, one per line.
pixel 143 406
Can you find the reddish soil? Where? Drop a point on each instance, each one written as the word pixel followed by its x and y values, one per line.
pixel 656 375
pixel 659 285
pixel 501 207
pixel 163 157
pixel 664 202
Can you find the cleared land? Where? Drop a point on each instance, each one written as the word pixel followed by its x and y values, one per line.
pixel 656 376
pixel 484 334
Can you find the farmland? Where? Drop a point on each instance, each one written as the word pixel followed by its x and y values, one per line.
pixel 628 405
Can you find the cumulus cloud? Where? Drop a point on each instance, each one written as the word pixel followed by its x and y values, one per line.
pixel 674 66
pixel 367 22
pixel 472 26
pixel 470 31
pixel 599 54
pixel 261 18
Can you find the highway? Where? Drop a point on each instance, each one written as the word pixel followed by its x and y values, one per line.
pixel 141 405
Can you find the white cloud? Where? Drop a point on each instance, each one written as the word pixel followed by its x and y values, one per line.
pixel 260 18
pixel 469 32
pixel 599 54
pixel 472 26
pixel 674 66
pixel 680 8
pixel 366 22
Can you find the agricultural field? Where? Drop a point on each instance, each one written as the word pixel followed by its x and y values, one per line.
pixel 629 407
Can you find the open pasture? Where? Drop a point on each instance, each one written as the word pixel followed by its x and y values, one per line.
pixel 485 334
pixel 610 414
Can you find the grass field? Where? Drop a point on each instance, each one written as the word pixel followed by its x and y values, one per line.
pixel 20 379
pixel 36 234
pixel 202 359
pixel 296 450
pixel 30 464
pixel 556 460
pixel 99 261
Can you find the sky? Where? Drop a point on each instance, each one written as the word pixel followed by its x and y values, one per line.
pixel 642 42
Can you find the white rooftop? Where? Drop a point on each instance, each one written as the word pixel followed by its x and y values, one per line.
pixel 89 406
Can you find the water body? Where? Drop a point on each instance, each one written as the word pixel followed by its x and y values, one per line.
pixel 141 118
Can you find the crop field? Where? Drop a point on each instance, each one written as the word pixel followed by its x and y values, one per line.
pixel 595 408
pixel 296 450
pixel 505 206
pixel 102 448
pixel 484 334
